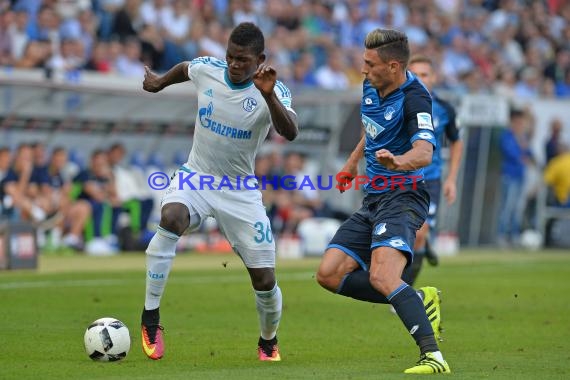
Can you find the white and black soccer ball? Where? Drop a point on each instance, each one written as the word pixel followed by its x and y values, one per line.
pixel 107 340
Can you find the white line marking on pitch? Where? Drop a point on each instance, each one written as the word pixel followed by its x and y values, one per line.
pixel 305 276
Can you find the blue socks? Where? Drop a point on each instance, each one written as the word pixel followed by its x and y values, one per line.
pixel 411 311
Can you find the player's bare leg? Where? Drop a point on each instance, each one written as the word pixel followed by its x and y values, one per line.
pixel 334 268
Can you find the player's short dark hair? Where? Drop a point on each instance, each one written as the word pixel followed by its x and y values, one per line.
pixel 249 35
pixel 390 45
pixel 116 145
pixel 23 146
pixel 516 113
pixel 58 149
pixel 97 152
pixel 420 58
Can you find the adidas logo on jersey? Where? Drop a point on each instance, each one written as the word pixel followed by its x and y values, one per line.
pixel 209 93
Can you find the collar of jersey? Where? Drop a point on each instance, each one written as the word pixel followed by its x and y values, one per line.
pixel 235 86
pixel 409 79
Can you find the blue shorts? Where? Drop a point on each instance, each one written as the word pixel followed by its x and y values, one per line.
pixel 389 219
pixel 433 187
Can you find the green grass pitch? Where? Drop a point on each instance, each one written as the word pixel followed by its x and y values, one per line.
pixel 506 316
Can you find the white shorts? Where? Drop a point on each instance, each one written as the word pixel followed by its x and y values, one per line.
pixel 240 215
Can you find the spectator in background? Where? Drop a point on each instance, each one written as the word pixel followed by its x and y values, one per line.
pixel 100 60
pixel 106 12
pixel 17 34
pixel 304 71
pixel 190 47
pixel 157 32
pixel 509 49
pixel 86 33
pixel 556 70
pixel 6 56
pixel 129 63
pixel 532 174
pixel 130 186
pixel 69 58
pixel 513 146
pixel 554 145
pixel 456 60
pixel 36 55
pixel 528 87
pixel 5 159
pixel 353 72
pixel 155 12
pixel 556 175
pixel 213 41
pixel 127 21
pixel 562 88
pixel 42 190
pixel 244 11
pixel 332 75
pixel 98 188
pixel 177 21
pixel 466 38
pixel 505 83
pixel 75 213
pixel 20 190
pixel 47 27
pixel 40 158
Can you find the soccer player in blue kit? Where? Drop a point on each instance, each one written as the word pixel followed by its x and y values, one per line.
pixel 239 99
pixel 366 257
pixel 445 124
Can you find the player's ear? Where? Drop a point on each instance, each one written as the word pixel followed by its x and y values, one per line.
pixel 261 59
pixel 394 67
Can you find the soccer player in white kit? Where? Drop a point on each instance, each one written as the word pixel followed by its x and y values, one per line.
pixel 238 101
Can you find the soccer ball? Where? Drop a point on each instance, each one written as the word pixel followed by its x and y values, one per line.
pixel 531 240
pixel 107 340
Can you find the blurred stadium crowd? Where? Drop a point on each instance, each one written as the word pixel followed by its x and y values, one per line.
pixel 519 48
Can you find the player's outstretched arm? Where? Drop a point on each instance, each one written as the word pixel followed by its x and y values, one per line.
pixel 418 157
pixel 350 169
pixel 155 83
pixel 284 121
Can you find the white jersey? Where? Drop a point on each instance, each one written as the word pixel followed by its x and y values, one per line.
pixel 232 121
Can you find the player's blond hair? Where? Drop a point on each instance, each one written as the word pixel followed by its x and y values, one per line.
pixel 390 44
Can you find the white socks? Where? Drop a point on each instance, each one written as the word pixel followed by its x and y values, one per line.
pixel 160 253
pixel 438 356
pixel 269 304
